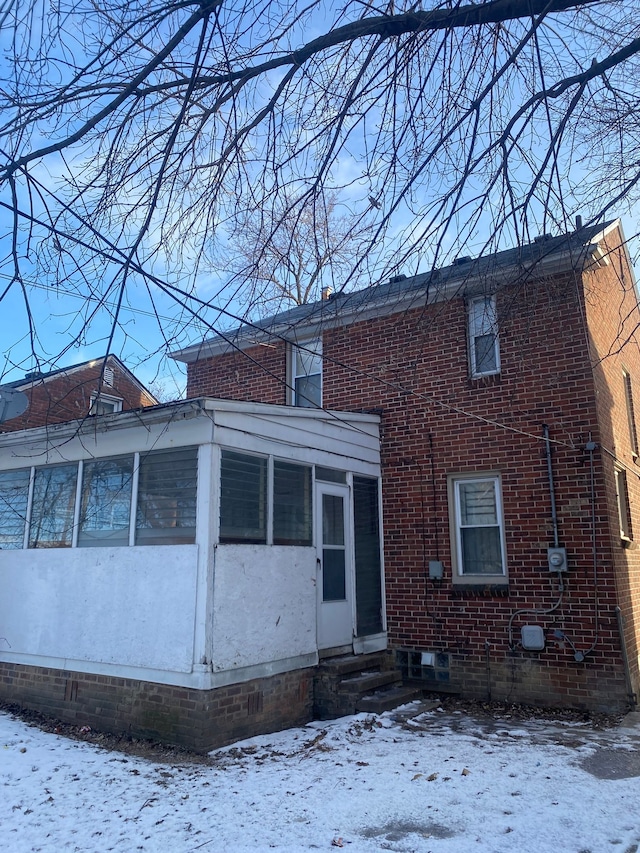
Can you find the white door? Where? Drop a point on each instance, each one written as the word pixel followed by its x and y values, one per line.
pixel 335 566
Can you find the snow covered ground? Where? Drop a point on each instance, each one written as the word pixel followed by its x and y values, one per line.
pixel 436 782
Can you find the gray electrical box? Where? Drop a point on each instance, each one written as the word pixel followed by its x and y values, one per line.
pixel 436 570
pixel 557 559
pixel 532 638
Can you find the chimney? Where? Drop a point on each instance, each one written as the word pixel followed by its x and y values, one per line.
pixel 326 293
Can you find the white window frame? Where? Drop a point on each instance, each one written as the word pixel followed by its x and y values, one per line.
pixel 228 535
pixel 309 349
pixel 105 398
pixel 624 508
pixel 459 575
pixel 481 324
pixel 169 534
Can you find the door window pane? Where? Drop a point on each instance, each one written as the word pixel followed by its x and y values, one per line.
pixel 243 498
pixel 167 487
pixel 332 520
pixel 291 504
pixel 333 574
pixel 14 495
pixel 106 502
pixel 54 494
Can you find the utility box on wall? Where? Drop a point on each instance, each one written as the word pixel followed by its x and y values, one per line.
pixel 532 638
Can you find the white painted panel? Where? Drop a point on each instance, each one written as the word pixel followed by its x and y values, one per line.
pixel 124 606
pixel 264 604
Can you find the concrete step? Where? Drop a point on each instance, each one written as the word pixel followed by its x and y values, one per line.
pixel 345 664
pixel 365 682
pixel 387 699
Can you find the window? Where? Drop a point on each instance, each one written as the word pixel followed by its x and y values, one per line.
pixel 247 502
pixel 631 420
pixel 14 498
pixel 292 510
pixel 52 514
pixel 622 496
pixel 167 484
pixel 306 374
pixel 243 498
pixel 105 509
pixel 478 541
pixel 483 336
pixel 160 495
pixel 103 404
pixel 366 520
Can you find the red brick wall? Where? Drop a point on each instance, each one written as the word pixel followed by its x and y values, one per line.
pixel 613 318
pixel 198 719
pixel 67 397
pixel 436 421
pixel 256 375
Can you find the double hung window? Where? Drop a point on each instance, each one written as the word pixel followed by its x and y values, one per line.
pixel 306 374
pixel 483 336
pixel 622 497
pixel 478 541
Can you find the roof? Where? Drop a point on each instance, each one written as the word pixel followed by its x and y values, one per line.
pixel 545 256
pixel 38 377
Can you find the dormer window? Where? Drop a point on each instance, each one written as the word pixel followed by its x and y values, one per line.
pixel 104 404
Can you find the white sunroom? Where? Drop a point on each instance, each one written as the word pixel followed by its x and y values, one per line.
pixel 198 543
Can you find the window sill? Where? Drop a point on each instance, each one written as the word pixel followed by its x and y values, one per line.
pixel 476 590
pixel 628 544
pixel 483 380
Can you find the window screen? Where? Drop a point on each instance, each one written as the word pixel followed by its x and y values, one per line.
pixel 292 511
pixel 243 498
pixel 166 510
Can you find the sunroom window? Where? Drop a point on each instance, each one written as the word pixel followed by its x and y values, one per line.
pixel 105 510
pixel 14 498
pixel 291 504
pixel 243 498
pixel 166 509
pixel 54 497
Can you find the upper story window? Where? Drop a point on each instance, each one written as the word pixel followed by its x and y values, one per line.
pixel 483 336
pixel 631 418
pixel 104 404
pixel 306 374
pixel 478 529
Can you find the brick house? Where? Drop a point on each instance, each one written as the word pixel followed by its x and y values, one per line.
pixel 92 387
pixel 509 451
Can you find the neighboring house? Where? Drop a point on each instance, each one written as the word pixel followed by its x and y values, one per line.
pixel 95 387
pixel 507 392
pixel 175 571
